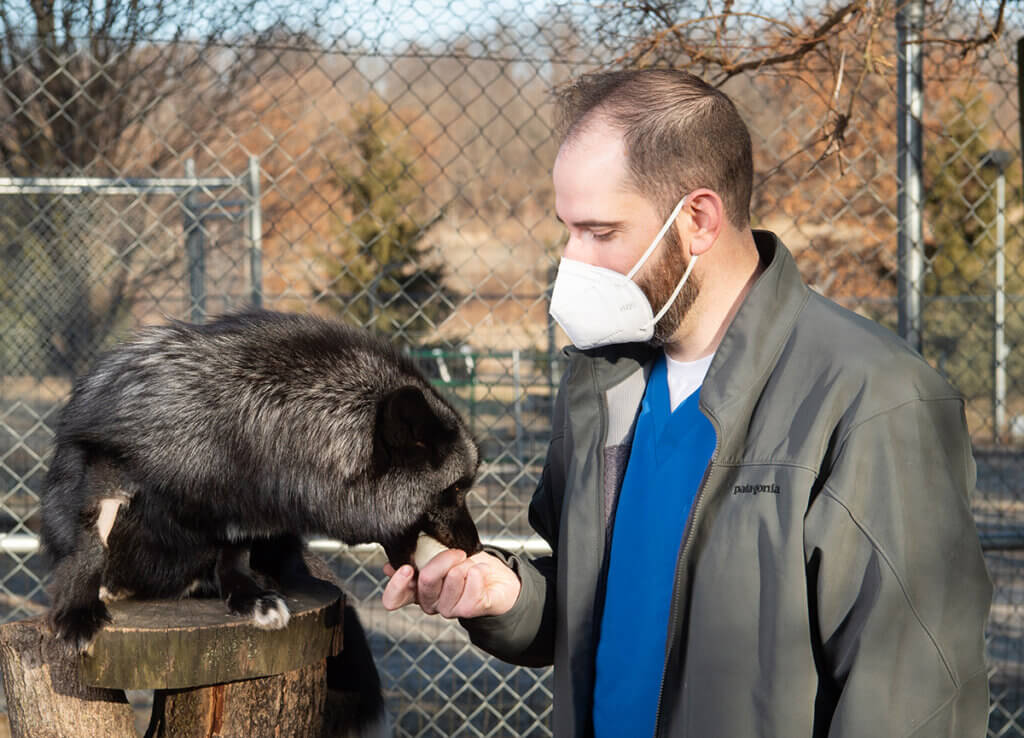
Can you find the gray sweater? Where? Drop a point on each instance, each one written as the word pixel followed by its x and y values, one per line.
pixel 830 581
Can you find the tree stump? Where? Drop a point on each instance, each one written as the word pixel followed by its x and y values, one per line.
pixel 45 698
pixel 213 674
pixel 174 644
pixel 290 704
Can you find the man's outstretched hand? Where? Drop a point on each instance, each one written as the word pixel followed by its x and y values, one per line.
pixel 454 585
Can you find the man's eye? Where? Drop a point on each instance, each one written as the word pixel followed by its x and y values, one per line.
pixel 603 235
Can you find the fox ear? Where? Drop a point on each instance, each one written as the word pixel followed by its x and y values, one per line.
pixel 409 432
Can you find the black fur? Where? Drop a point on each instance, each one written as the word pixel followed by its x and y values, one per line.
pixel 228 442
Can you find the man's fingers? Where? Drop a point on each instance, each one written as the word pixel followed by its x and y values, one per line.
pixel 474 600
pixel 451 592
pixel 454 586
pixel 432 577
pixel 400 590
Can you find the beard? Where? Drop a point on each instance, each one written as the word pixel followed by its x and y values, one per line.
pixel 660 283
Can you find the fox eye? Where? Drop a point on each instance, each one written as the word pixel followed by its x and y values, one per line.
pixel 457 491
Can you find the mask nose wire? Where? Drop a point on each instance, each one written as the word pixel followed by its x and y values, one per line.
pixel 657 239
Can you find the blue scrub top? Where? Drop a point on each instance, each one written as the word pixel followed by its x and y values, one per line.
pixel 669 456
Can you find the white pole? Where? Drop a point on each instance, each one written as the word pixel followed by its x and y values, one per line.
pixel 1001 352
pixel 194 247
pixel 518 408
pixel 255 234
pixel 911 195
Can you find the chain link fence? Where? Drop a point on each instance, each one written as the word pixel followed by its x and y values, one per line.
pixel 388 164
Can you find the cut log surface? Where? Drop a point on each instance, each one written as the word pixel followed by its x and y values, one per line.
pixel 178 644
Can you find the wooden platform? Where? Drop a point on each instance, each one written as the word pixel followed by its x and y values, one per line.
pixel 174 644
pixel 213 674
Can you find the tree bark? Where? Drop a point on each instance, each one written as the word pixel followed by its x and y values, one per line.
pixel 45 698
pixel 214 675
pixel 288 705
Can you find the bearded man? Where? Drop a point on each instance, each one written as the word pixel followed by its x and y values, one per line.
pixel 756 501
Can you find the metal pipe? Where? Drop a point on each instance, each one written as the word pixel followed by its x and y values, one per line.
pixel 105 186
pixel 911 193
pixel 26 543
pixel 999 160
pixel 532 545
pixel 518 406
pixel 255 234
pixel 1000 349
pixel 194 248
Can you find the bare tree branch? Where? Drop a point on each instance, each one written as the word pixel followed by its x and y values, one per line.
pixel 811 41
pixel 969 44
pixel 840 50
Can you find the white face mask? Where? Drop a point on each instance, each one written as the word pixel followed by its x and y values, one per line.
pixel 597 306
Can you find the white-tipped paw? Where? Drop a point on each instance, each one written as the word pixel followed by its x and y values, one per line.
pixel 270 612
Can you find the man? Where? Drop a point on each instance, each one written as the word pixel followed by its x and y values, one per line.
pixel 756 501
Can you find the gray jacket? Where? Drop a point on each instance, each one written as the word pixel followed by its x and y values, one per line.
pixel 830 581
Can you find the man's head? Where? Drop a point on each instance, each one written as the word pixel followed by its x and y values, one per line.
pixel 633 143
pixel 679 134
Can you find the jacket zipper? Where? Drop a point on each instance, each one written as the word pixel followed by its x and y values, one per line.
pixel 677 585
pixel 602 575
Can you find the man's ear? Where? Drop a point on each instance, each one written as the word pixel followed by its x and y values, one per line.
pixel 408 431
pixel 707 218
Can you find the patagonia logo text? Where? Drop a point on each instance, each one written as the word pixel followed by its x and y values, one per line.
pixel 756 489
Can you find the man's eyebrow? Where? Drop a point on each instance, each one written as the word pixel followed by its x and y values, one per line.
pixel 594 223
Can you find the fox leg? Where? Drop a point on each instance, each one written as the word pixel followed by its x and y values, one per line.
pixel 76 612
pixel 242 593
pixel 80 508
pixel 280 558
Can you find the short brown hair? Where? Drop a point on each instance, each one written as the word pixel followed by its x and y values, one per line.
pixel 680 133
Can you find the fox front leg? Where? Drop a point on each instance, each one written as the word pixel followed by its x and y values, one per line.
pixel 244 596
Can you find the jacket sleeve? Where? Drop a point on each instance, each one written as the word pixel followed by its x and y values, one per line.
pixel 525 635
pixel 897 586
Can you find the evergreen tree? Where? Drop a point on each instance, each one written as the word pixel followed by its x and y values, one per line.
pixel 960 211
pixel 960 202
pixel 378 271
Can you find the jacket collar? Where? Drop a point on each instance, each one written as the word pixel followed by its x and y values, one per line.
pixel 612 364
pixel 750 347
pixel 753 341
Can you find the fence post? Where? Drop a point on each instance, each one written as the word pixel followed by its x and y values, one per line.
pixel 517 406
pixel 1001 354
pixel 255 222
pixel 999 160
pixel 471 370
pixel 194 248
pixel 911 190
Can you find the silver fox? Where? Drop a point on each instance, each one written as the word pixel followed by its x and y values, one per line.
pixel 192 456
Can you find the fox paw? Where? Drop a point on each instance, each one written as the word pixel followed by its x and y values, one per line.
pixel 266 609
pixel 78 626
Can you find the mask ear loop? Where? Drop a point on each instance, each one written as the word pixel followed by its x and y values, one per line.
pixel 657 239
pixel 675 294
